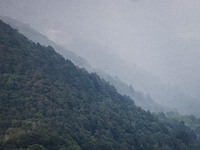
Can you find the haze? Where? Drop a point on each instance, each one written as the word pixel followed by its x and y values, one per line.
pixel 161 37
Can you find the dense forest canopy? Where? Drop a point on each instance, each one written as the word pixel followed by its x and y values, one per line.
pixel 46 102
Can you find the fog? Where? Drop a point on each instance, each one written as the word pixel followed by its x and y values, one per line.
pixel 159 37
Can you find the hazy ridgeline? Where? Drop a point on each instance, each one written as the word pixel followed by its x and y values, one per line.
pixel 139 97
pixel 46 102
pixel 100 74
pixel 163 97
pixel 151 45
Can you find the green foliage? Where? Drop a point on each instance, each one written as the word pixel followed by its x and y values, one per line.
pixel 48 103
pixel 36 147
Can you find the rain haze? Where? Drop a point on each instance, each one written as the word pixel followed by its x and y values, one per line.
pixel 160 37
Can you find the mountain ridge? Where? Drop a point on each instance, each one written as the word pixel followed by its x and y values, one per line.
pixel 48 103
pixel 122 87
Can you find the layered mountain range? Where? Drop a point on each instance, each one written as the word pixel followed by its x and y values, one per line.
pixel 140 98
pixel 155 95
pixel 46 102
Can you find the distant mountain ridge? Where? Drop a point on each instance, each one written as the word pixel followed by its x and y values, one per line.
pixel 140 99
pixel 161 92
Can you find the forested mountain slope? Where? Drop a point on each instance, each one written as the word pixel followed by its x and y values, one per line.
pixel 46 102
pixel 162 92
pixel 37 37
pixel 139 97
pixel 142 100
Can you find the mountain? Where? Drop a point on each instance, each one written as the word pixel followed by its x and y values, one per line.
pixel 37 37
pixel 46 102
pixel 140 98
pixel 108 67
pixel 162 93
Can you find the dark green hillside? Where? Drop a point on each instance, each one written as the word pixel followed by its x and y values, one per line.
pixel 48 103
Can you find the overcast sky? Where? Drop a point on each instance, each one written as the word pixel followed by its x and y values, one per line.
pixel 161 36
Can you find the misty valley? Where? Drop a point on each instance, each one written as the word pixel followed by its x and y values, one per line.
pixel 99 75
